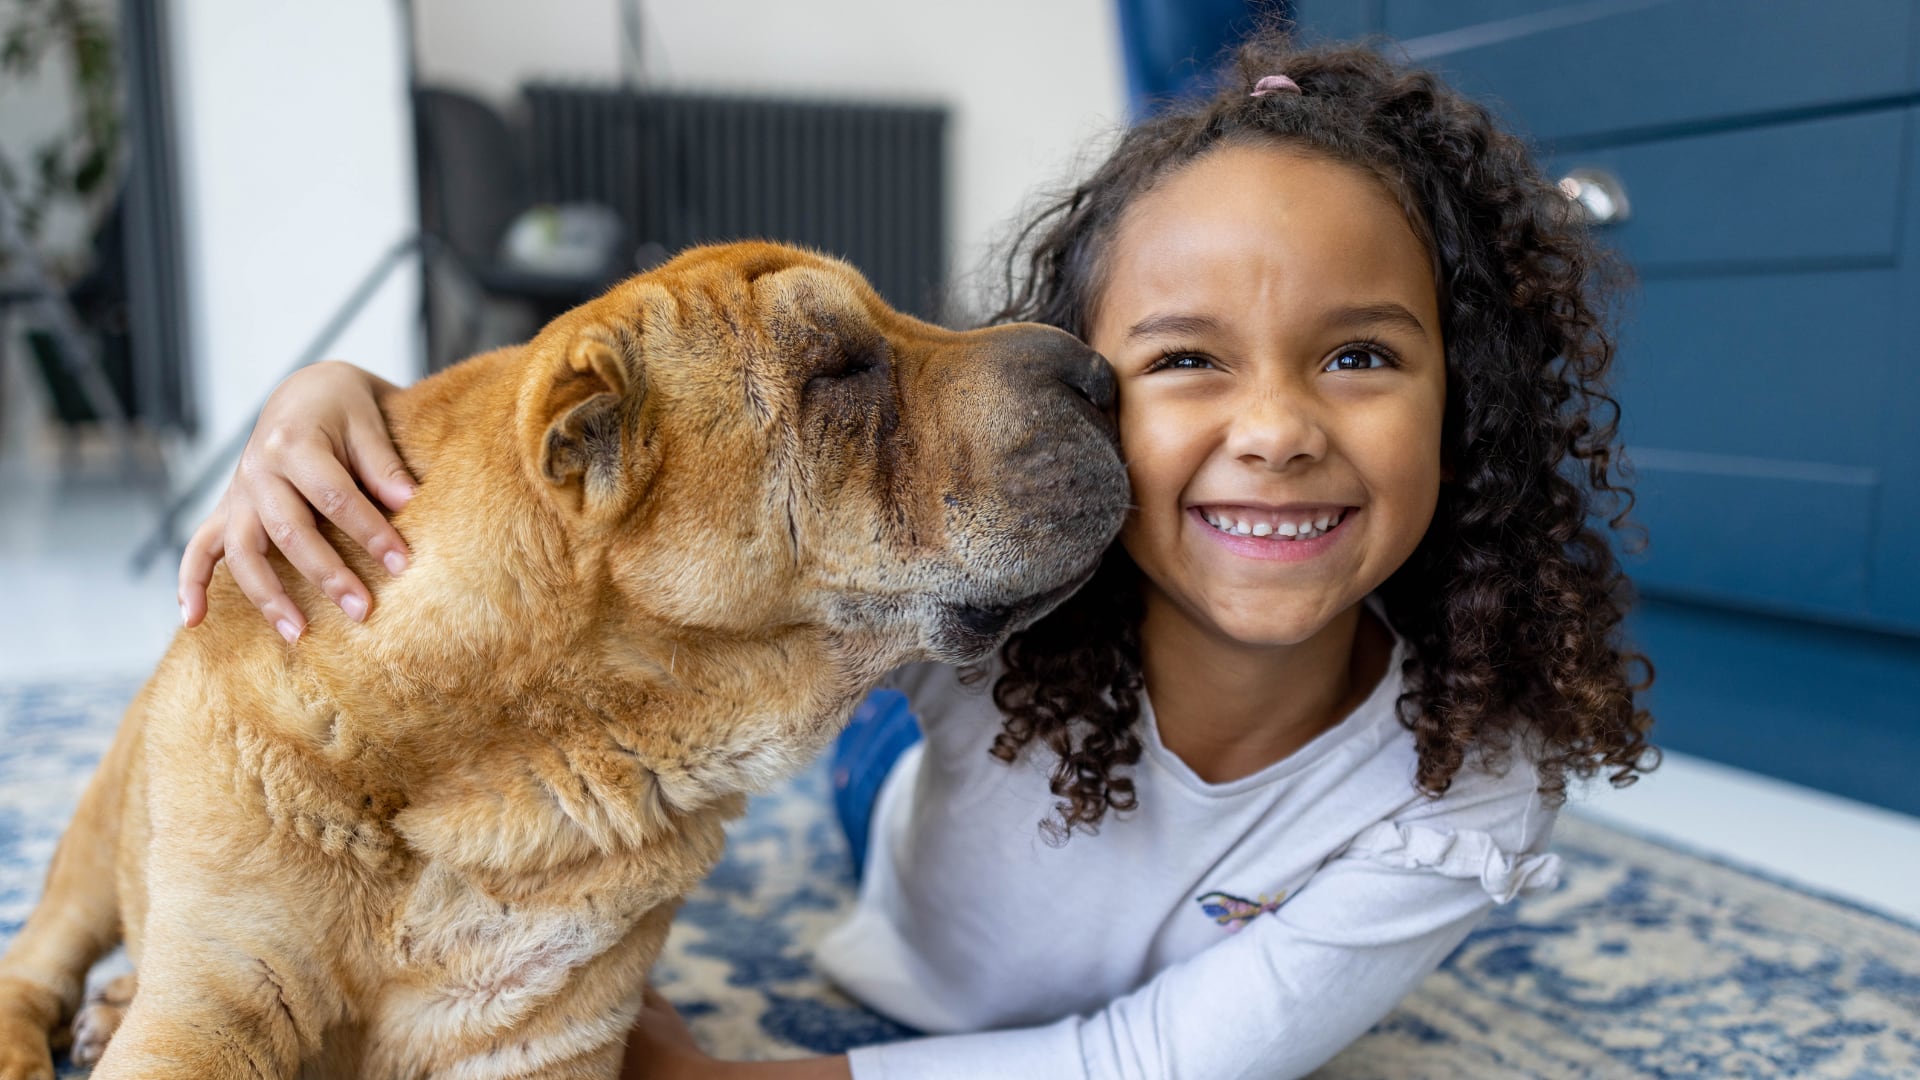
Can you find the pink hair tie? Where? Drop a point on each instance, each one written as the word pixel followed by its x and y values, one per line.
pixel 1275 84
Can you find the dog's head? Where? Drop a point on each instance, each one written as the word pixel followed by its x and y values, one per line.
pixel 751 438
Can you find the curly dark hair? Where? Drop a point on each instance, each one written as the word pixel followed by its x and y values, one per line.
pixel 1512 603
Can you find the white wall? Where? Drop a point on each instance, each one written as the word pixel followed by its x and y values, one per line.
pixel 1032 83
pixel 296 155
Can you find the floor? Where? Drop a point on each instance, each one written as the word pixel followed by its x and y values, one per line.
pixel 73 609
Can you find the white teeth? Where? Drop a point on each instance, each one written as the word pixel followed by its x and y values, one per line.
pixel 1302 530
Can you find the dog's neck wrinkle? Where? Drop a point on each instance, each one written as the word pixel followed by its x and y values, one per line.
pixel 769 722
pixel 613 766
pixel 637 694
pixel 473 615
pixel 477 620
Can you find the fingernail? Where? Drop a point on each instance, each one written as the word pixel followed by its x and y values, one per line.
pixel 288 631
pixel 355 607
pixel 183 613
pixel 396 563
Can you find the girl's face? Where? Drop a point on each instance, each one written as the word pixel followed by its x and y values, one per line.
pixel 1273 322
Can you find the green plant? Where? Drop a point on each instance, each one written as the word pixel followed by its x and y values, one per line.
pixel 79 162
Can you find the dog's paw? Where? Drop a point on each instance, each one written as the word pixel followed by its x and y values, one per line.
pixel 99 1018
pixel 93 1028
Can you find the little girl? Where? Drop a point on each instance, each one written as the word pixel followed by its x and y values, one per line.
pixel 1219 812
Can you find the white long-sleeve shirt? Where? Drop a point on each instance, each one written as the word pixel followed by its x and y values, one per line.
pixel 1246 929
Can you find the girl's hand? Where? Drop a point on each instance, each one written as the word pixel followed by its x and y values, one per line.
pixel 661 1048
pixel 319 433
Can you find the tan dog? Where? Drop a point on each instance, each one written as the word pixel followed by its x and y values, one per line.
pixel 659 554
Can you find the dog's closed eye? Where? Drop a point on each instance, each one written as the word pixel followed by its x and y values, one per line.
pixel 847 363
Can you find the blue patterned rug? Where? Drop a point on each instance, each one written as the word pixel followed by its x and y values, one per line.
pixel 1645 962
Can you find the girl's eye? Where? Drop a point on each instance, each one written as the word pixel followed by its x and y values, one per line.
pixel 1360 358
pixel 1181 361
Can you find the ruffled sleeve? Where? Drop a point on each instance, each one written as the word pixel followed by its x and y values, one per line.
pixel 1468 854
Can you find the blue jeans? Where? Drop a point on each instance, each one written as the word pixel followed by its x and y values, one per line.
pixel 882 729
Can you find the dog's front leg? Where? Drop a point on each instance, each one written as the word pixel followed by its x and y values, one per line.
pixel 211 1023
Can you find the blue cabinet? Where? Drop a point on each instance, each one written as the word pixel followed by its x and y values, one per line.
pixel 1769 371
pixel 1617 70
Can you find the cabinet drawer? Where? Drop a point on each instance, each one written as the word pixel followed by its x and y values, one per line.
pixel 1754 409
pixel 1595 71
pixel 1784 535
pixel 1792 367
pixel 1821 191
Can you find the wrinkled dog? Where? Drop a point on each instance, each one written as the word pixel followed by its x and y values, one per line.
pixel 659 554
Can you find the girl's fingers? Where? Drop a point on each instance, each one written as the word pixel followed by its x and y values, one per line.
pixel 204 549
pixel 289 524
pixel 246 550
pixel 329 488
pixel 318 423
pixel 371 454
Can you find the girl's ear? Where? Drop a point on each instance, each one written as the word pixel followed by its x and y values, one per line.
pixel 591 407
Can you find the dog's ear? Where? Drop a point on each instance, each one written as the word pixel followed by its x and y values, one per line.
pixel 590 406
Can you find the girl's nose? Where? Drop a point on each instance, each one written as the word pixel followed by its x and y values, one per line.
pixel 1276 430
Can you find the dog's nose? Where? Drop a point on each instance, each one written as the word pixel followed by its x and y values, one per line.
pixel 1067 360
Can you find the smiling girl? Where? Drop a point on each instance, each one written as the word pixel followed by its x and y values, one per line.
pixel 1315 715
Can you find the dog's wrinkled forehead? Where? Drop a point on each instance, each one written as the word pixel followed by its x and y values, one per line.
pixel 781 311
pixel 800 334
pixel 809 302
pixel 781 286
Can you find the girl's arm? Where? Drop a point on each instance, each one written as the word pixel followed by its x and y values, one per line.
pixel 319 439
pixel 1291 988
pixel 1276 1000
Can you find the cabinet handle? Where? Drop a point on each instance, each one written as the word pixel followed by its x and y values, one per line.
pixel 1599 195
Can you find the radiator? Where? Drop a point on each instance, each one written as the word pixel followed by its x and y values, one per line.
pixel 865 182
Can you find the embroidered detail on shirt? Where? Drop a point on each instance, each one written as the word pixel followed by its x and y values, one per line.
pixel 1233 913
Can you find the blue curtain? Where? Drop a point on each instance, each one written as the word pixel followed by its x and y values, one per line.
pixel 1171 46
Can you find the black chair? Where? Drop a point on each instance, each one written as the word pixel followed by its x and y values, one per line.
pixel 473 185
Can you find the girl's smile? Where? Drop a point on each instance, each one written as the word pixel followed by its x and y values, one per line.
pixel 1273 321
pixel 1287 534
